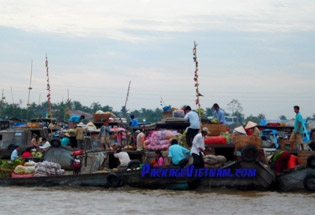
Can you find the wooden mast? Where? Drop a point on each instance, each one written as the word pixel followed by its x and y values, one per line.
pixel 125 107
pixel 29 90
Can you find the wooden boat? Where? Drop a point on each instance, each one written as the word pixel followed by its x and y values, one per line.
pixel 225 176
pixel 302 177
pixel 96 179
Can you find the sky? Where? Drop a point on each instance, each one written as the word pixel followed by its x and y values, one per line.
pixel 258 52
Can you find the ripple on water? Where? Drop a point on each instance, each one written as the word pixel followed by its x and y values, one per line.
pixel 92 200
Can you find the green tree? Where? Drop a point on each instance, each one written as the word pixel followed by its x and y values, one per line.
pixel 234 106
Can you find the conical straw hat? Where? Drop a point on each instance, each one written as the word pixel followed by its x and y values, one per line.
pixel 250 124
pixel 240 129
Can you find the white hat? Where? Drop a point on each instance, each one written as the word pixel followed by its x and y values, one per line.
pixel 240 129
pixel 81 124
pixel 90 124
pixel 205 129
pixel 250 124
pixel 137 131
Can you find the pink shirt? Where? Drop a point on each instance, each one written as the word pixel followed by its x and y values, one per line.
pixel 160 162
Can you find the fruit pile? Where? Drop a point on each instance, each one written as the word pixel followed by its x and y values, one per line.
pixel 37 154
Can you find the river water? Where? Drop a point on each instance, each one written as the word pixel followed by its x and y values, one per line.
pixel 87 200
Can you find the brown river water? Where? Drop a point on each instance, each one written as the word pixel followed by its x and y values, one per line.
pixel 94 201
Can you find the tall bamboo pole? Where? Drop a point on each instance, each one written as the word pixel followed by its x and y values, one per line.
pixel 48 95
pixel 198 94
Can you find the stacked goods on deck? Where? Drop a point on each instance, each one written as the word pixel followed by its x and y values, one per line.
pixel 214 161
pixel 100 116
pixel 160 140
pixel 218 134
pixel 7 167
pixel 169 112
pixel 215 129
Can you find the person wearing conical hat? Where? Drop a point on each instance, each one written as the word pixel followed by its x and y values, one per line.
pixel 240 130
pixel 252 129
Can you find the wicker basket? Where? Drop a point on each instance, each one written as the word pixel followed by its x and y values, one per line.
pixel 242 140
pixel 101 117
pixel 215 129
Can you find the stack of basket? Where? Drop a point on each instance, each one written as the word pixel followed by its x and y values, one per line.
pixel 215 129
pixel 243 140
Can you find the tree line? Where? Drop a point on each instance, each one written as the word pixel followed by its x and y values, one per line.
pixel 61 111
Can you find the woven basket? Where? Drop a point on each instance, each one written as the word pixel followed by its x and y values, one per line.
pixel 101 117
pixel 215 129
pixel 242 140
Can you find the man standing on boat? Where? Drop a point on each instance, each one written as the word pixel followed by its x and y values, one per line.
pixel 79 135
pixel 74 120
pixel 198 148
pixel 104 135
pixel 134 121
pixel 193 129
pixel 218 113
pixel 297 134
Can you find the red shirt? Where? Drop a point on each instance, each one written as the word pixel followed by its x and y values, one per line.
pixel 27 155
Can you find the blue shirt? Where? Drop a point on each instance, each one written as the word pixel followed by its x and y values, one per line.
pixel 177 153
pixel 193 118
pixel 74 119
pixel 298 119
pixel 219 114
pixel 65 141
pixel 14 155
pixel 134 122
pixel 107 130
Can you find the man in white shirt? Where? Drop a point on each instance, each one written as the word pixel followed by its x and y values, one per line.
pixel 45 145
pixel 123 157
pixel 198 148
pixel 193 129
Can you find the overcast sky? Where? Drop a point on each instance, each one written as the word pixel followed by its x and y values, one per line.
pixel 258 52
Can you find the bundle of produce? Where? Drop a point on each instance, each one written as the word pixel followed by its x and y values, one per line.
pixel 159 140
pixel 46 168
pixel 214 161
pixel 37 154
pixel 7 167
pixel 19 169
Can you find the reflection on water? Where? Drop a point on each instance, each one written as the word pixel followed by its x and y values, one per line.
pixel 78 200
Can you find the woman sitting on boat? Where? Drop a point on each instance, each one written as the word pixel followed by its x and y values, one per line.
pixel 251 129
pixel 159 160
pixel 65 141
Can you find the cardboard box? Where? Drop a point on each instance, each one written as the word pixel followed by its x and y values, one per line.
pixel 284 144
